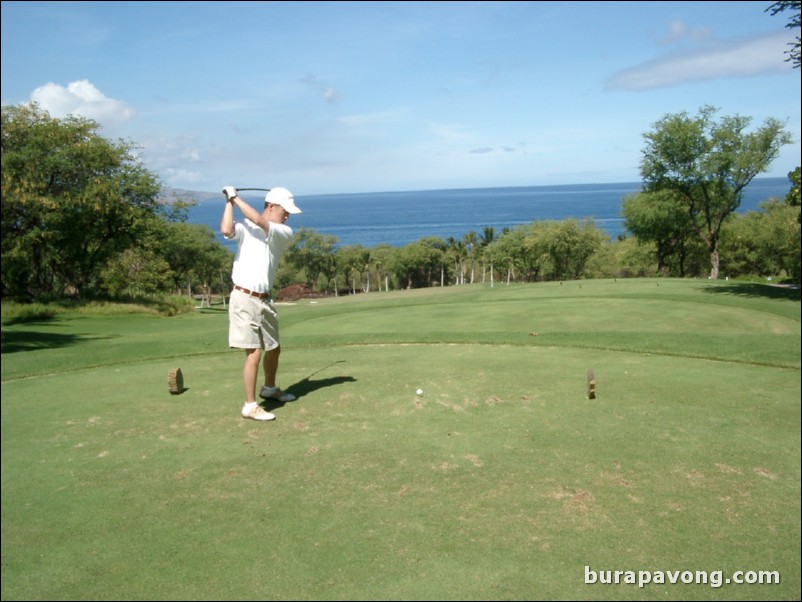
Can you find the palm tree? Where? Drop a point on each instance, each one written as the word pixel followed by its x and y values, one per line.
pixel 488 236
pixel 456 249
pixel 471 240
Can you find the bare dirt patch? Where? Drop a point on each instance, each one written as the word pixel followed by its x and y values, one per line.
pixel 297 292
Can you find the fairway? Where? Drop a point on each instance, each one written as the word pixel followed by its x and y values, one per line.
pixel 500 481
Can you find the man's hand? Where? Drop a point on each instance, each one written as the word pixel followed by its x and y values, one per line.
pixel 230 193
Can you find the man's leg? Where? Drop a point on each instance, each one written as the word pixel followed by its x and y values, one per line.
pixel 271 366
pixel 250 372
pixel 270 390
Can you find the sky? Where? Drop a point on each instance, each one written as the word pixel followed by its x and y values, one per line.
pixel 350 97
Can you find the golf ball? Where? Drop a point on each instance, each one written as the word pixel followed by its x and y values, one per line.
pixel 419 391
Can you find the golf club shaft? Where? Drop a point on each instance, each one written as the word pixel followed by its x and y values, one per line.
pixel 262 189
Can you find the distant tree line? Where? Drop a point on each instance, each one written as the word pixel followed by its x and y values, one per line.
pixel 82 218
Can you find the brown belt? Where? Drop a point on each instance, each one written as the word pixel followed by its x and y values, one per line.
pixel 251 293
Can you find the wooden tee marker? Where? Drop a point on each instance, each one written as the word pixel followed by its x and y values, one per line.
pixel 175 381
pixel 591 385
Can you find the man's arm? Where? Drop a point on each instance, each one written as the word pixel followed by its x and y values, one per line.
pixel 227 223
pixel 252 214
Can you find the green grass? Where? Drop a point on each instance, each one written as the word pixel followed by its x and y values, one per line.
pixel 502 481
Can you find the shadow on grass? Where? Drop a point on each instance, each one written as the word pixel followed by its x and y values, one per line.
pixel 767 291
pixel 39 318
pixel 212 310
pixel 12 342
pixel 308 385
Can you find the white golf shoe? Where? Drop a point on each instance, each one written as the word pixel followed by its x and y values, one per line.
pixel 256 412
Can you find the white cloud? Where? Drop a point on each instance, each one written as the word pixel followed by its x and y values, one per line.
pixel 449 133
pixel 369 119
pixel 678 31
pixel 177 158
pixel 83 99
pixel 328 92
pixel 746 57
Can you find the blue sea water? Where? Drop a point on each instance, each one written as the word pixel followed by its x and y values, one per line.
pixel 399 218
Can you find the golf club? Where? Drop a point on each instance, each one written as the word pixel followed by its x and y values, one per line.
pixel 262 189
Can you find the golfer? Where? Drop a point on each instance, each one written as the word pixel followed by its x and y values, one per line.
pixel 252 319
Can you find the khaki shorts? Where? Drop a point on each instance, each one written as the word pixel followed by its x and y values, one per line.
pixel 252 322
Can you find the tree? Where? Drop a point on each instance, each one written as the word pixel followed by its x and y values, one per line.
pixel 794 196
pixel 571 244
pixel 660 218
pixel 488 234
pixel 764 243
pixel 795 58
pixel 507 251
pixel 136 272
pixel 558 250
pixel 71 201
pixel 382 257
pixel 708 165
pixel 195 256
pixel 795 21
pixel 314 254
pixel 458 252
pixel 355 260
pixel 471 242
pixel 626 257
pixel 415 265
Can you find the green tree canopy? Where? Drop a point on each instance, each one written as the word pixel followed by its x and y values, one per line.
pixel 794 196
pixel 419 264
pixel 312 255
pixel 707 164
pixel 763 243
pixel 661 218
pixel 71 200
pixel 794 22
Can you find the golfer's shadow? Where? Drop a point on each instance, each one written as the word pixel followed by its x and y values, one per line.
pixel 306 386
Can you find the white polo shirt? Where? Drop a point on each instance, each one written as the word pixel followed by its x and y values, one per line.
pixel 258 254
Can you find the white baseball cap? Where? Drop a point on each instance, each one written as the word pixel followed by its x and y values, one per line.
pixel 283 197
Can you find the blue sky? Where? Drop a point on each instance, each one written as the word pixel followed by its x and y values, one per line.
pixel 338 97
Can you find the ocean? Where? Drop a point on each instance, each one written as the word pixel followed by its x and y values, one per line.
pixel 399 218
